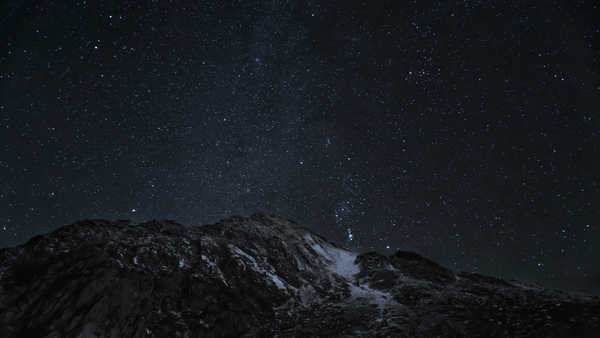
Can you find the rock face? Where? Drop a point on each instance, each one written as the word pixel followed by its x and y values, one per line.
pixel 258 276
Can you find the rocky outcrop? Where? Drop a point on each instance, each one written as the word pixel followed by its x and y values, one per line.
pixel 258 276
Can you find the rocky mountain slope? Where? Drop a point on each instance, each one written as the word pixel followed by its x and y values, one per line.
pixel 258 276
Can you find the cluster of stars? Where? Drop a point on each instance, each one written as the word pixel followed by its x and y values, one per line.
pixel 466 134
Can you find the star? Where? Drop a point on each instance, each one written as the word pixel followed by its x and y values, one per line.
pixel 347 126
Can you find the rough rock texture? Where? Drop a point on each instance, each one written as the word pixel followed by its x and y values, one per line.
pixel 258 276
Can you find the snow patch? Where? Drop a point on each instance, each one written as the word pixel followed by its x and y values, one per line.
pixel 307 294
pixel 373 296
pixel 203 323
pixel 318 248
pixel 276 280
pixel 209 262
pixel 341 262
pixel 214 267
pixel 256 267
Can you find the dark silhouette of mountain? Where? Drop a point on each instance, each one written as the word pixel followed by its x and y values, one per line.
pixel 259 276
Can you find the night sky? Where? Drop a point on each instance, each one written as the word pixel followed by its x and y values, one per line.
pixel 468 132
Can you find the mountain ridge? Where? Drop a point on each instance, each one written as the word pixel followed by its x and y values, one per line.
pixel 261 275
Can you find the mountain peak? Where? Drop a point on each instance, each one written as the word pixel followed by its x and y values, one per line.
pixel 261 275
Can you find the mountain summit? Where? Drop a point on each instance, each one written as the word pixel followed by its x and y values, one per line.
pixel 258 276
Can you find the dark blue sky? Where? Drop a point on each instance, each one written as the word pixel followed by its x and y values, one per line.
pixel 468 132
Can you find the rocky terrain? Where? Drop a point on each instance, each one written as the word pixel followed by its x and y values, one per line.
pixel 258 276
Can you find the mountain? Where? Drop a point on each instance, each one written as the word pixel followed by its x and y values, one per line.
pixel 258 276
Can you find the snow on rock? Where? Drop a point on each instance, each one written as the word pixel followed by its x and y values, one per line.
pixel 343 263
pixel 380 298
pixel 256 267
pixel 212 265
pixel 329 291
pixel 276 280
pixel 307 294
pixel 340 261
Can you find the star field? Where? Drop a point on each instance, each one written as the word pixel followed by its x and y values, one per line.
pixel 468 132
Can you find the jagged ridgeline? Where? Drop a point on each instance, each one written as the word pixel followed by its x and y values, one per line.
pixel 258 276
